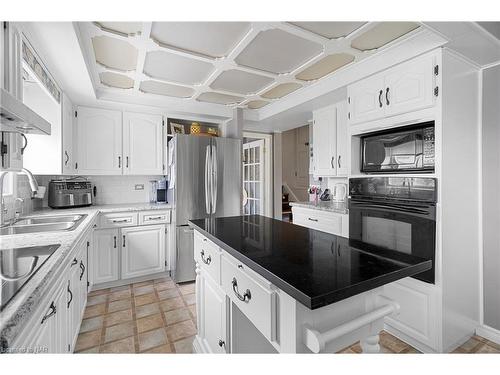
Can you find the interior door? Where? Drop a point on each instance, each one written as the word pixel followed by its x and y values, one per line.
pixel 227 182
pixel 190 184
pixel 99 141
pixel 302 164
pixel 253 177
pixel 143 250
pixel 142 144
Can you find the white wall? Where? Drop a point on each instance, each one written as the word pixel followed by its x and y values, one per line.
pixel 491 196
pixel 49 146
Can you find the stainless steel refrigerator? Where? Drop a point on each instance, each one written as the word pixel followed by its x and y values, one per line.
pixel 207 183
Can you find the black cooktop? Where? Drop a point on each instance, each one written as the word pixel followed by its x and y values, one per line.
pixel 314 267
pixel 17 267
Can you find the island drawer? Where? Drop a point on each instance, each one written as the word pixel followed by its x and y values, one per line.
pixel 154 217
pixel 252 294
pixel 207 255
pixel 324 221
pixel 118 219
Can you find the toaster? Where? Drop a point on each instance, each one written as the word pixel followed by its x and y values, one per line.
pixel 67 193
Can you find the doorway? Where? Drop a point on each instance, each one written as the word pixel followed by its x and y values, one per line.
pixel 257 174
pixel 295 168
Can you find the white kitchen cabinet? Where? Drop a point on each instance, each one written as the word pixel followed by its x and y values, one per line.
pixel 407 87
pixel 51 328
pixel 212 319
pixel 330 141
pixel 99 142
pixel 142 144
pixel 105 256
pixel 342 139
pixel 11 63
pixel 325 144
pixel 365 99
pixel 68 151
pixel 142 250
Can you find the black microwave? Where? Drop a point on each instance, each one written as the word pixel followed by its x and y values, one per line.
pixel 400 150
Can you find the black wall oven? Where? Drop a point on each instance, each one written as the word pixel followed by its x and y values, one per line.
pixel 395 213
pixel 407 149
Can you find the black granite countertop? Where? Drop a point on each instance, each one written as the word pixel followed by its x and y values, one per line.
pixel 314 267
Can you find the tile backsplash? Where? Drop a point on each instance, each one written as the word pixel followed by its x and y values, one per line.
pixel 109 190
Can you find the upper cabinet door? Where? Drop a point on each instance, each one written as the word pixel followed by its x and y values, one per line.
pixel 343 140
pixel 142 144
pixel 366 99
pixel 408 87
pixel 99 141
pixel 324 141
pixel 68 156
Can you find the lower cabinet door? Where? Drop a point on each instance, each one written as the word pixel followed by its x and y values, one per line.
pixel 105 256
pixel 143 250
pixel 73 302
pixel 213 316
pixel 51 335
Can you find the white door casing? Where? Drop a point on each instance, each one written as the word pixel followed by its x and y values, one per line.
pixel 253 177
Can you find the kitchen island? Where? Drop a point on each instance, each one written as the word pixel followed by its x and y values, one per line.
pixel 264 285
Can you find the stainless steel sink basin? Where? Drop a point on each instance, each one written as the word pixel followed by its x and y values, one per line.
pixel 48 219
pixel 44 224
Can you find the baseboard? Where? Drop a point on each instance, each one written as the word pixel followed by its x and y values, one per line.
pixel 112 284
pixel 409 340
pixel 489 333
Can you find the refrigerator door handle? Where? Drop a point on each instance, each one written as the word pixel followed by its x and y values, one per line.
pixel 214 179
pixel 207 180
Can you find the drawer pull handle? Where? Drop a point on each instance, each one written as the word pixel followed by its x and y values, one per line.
pixel 74 262
pixel 311 219
pixel 70 295
pixel 155 218
pixel 246 296
pixel 120 221
pixel 206 261
pixel 51 313
pixel 82 268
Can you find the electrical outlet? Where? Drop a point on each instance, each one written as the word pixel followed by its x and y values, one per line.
pixel 139 187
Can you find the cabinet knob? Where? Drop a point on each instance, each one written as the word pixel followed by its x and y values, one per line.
pixel 222 343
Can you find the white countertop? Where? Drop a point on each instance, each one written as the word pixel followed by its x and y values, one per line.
pixel 337 207
pixel 26 301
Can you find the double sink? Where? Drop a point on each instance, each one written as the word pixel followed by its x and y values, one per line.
pixel 38 224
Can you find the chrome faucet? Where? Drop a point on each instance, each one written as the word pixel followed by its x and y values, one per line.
pixel 33 186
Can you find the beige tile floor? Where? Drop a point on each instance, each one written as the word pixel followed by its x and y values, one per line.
pixel 159 316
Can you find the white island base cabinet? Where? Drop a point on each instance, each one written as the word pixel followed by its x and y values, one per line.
pixel 245 313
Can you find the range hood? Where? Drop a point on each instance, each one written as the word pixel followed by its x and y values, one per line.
pixel 16 116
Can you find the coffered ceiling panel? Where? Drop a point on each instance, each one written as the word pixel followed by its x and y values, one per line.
pixel 281 90
pixel 278 51
pixel 162 88
pixel 382 34
pixel 123 28
pixel 330 30
pixel 215 39
pixel 215 97
pixel 237 64
pixel 240 82
pixel 325 66
pixel 256 104
pixel 114 53
pixel 116 80
pixel 176 68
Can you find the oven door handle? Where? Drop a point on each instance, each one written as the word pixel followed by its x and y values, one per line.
pixel 395 208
